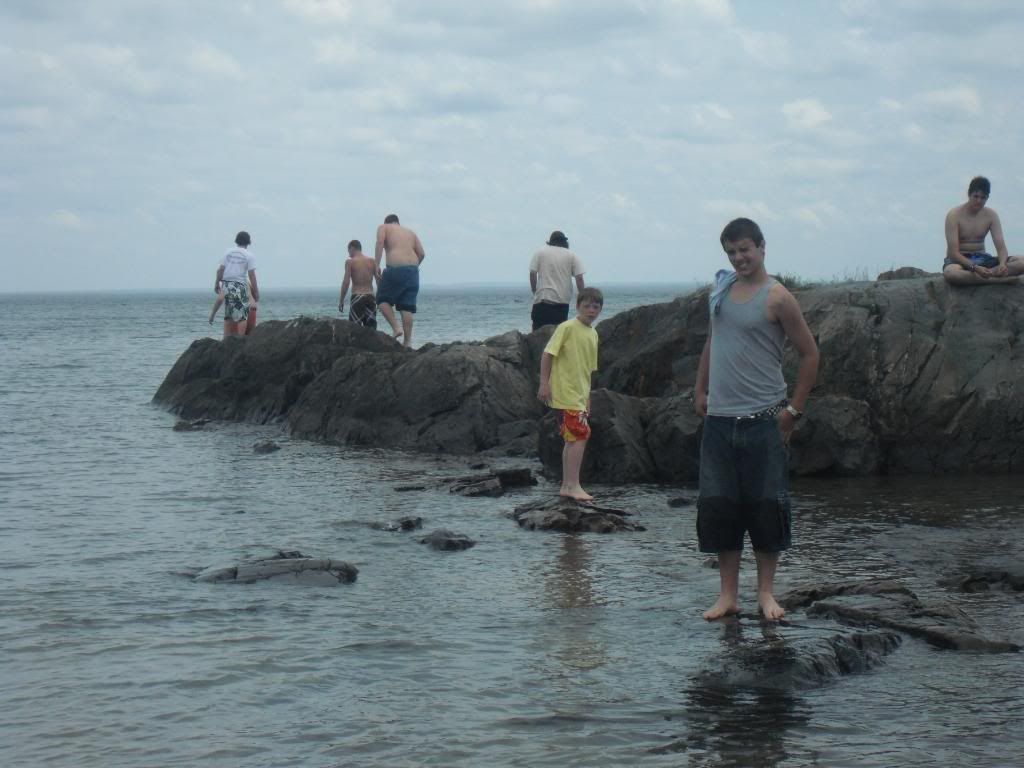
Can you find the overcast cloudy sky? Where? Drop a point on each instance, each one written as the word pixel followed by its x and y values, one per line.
pixel 139 135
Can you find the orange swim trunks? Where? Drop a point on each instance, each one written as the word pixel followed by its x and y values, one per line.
pixel 574 426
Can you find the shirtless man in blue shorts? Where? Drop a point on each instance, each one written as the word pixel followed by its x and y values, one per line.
pixel 967 225
pixel 399 285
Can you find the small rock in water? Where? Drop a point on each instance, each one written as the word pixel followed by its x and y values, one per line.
pixel 266 446
pixel 568 516
pixel 711 562
pixel 477 486
pixel 680 501
pixel 411 487
pixel 519 477
pixel 445 541
pixel 478 465
pixel 288 566
pixel 189 426
pixel 400 525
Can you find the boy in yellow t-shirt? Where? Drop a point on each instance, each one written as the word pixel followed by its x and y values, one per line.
pixel 565 368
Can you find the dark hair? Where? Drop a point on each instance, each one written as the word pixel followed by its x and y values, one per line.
pixel 391 218
pixel 559 239
pixel 737 229
pixel 590 294
pixel 980 184
pixel 355 244
pixel 242 238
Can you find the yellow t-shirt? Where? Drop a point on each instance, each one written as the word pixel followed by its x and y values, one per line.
pixel 574 349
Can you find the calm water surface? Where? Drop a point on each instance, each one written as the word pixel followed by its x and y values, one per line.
pixel 530 649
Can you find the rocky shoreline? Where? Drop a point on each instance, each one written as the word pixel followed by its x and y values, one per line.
pixel 915 378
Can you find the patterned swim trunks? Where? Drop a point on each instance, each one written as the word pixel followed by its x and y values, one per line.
pixel 236 302
pixel 363 310
pixel 574 426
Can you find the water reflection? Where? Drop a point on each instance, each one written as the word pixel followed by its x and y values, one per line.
pixel 572 639
pixel 731 722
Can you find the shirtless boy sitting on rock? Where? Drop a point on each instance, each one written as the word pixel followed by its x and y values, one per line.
pixel 967 225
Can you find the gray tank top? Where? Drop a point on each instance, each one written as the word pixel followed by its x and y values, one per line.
pixel 746 358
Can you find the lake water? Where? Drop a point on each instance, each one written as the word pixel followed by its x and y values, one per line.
pixel 530 649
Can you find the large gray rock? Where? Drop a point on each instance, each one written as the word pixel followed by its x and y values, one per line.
pixel 289 567
pixel 915 377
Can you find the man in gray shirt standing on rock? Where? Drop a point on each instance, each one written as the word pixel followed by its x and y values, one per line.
pixel 740 392
pixel 552 270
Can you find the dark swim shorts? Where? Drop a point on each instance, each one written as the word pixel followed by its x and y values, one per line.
pixel 978 259
pixel 399 287
pixel 744 476
pixel 544 313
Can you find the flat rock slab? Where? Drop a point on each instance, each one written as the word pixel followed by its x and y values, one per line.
pixel 290 567
pixel 444 540
pixel 889 604
pixel 798 655
pixel 494 483
pixel 568 516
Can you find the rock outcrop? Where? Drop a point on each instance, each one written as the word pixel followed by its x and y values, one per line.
pixel 915 377
pixel 568 516
pixel 290 567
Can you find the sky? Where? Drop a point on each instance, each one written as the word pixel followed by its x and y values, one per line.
pixel 138 136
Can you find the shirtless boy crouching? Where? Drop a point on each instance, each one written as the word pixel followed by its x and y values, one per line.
pixel 361 273
pixel 967 226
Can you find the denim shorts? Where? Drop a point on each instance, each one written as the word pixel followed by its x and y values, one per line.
pixel 978 259
pixel 399 286
pixel 744 479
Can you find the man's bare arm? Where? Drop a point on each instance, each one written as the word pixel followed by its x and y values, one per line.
pixel 700 387
pixel 579 283
pixel 378 249
pixel 220 276
pixel 787 312
pixel 417 246
pixel 533 281
pixel 998 240
pixel 255 286
pixel 344 284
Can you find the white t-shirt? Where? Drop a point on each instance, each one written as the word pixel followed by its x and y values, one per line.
pixel 555 268
pixel 237 263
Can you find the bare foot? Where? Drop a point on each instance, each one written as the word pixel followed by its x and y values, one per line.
pixel 725 606
pixel 575 492
pixel 397 333
pixel 770 609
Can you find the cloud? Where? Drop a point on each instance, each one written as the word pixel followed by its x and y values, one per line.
pixel 208 60
pixel 959 99
pixel 805 114
pixel 67 219
pixel 321 10
pixel 731 209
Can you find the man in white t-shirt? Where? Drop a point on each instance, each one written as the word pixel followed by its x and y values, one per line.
pixel 552 270
pixel 236 272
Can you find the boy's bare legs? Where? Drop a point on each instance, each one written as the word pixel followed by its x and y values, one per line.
pixel 389 315
pixel 407 327
pixel 572 460
pixel 729 575
pixel 232 328
pixel 766 563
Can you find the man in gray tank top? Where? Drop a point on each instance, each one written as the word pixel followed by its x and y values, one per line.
pixel 740 392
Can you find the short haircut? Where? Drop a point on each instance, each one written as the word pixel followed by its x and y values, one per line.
pixel 355 244
pixel 242 238
pixel 391 218
pixel 737 229
pixel 980 184
pixel 590 294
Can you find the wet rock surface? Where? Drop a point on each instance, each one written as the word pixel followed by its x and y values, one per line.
pixel 266 446
pixel 184 425
pixel 568 516
pixel 285 566
pixel 402 524
pixel 444 540
pixel 889 604
pixel 915 377
pixel 493 483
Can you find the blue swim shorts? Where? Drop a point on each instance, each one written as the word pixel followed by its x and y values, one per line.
pixel 978 258
pixel 744 485
pixel 399 287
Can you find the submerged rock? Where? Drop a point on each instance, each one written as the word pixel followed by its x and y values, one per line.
pixel 568 516
pixel 444 540
pixel 184 425
pixel 266 446
pixel 287 566
pixel 889 604
pixel 984 580
pixel 400 525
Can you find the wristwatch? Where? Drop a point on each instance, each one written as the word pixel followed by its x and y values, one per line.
pixel 794 412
